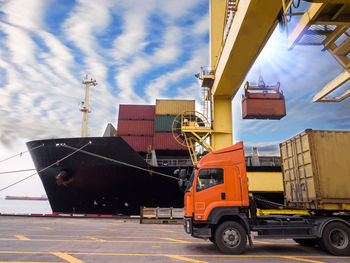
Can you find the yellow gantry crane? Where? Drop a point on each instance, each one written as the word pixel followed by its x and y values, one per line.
pixel 239 30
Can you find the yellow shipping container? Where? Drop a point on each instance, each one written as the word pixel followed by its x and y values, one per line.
pixel 174 107
pixel 316 170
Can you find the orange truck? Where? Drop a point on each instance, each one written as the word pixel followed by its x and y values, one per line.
pixel 218 207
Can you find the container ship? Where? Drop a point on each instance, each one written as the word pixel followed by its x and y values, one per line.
pixel 129 167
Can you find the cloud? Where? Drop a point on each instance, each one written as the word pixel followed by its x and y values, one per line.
pixel 24 14
pixel 134 29
pixel 145 46
pixel 264 149
pixel 157 87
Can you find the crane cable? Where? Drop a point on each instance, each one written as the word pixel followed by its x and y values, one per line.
pixel 150 171
pixel 297 4
pixel 47 167
pixel 21 153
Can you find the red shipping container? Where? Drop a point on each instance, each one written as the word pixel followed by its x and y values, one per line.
pixel 263 106
pixel 135 127
pixel 139 143
pixel 166 141
pixel 136 112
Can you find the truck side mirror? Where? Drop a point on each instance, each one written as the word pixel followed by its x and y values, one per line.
pixel 181 183
pixel 182 174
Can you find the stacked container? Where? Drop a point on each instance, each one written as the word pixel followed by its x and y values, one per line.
pixel 136 126
pixel 166 111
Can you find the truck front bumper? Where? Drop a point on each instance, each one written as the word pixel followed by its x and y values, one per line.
pixel 199 230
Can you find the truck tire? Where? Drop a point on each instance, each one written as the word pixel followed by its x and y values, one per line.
pixel 306 242
pixel 336 239
pixel 231 238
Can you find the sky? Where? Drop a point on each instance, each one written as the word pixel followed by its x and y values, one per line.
pixel 137 51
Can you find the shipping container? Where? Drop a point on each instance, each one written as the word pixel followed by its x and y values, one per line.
pixel 139 143
pixel 316 170
pixel 136 112
pixel 135 127
pixel 166 141
pixel 164 123
pixel 263 106
pixel 174 107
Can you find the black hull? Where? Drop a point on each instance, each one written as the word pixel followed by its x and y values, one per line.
pixel 92 185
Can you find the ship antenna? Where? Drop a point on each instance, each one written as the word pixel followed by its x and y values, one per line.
pixel 85 105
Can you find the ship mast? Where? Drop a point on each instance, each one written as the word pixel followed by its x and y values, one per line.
pixel 85 105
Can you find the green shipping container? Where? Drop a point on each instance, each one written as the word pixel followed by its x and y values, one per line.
pixel 163 123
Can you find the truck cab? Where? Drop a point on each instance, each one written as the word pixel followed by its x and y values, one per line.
pixel 218 207
pixel 217 189
pixel 219 181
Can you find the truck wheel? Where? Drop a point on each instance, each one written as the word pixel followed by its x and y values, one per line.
pixel 306 242
pixel 336 239
pixel 231 238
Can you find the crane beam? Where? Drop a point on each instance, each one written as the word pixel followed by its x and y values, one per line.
pixel 251 27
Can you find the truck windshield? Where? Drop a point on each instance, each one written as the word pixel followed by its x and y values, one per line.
pixel 190 183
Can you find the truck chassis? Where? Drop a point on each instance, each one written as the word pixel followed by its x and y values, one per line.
pixel 229 228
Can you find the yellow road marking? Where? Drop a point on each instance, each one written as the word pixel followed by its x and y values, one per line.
pixel 109 229
pixel 71 223
pixel 84 236
pixel 176 240
pixel 113 224
pixel 21 237
pixel 263 242
pixel 303 259
pixel 67 257
pixel 97 239
pixel 167 255
pixel 185 259
pixel 46 228
pixel 168 231
pixel 155 246
pixel 171 241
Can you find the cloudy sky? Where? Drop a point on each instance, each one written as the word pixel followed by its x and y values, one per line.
pixel 137 51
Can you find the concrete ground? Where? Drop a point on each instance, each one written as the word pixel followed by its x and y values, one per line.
pixel 77 240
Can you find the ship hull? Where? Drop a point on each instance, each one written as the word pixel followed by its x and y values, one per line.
pixel 88 184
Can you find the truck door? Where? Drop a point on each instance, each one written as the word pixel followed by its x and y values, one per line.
pixel 209 190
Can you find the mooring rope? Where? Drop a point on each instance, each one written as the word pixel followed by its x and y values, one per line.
pixel 21 153
pixel 17 171
pixel 47 167
pixel 120 162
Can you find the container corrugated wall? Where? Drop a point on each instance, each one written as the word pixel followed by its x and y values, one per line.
pixel 174 107
pixel 136 112
pixel 139 143
pixel 135 127
pixel 316 170
pixel 166 141
pixel 163 123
